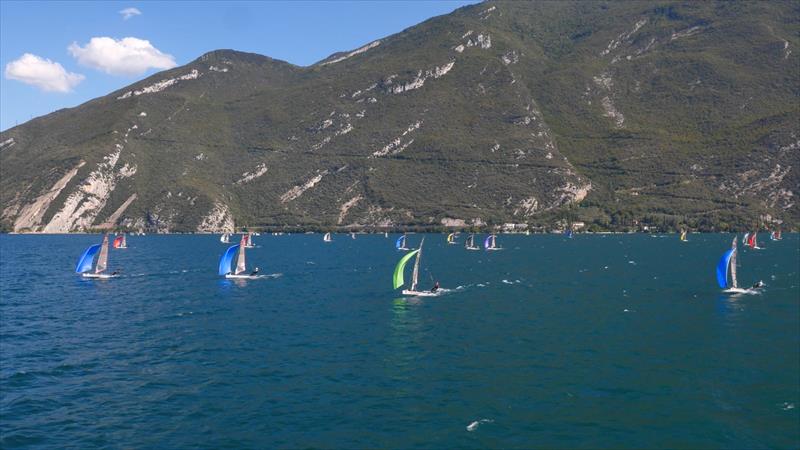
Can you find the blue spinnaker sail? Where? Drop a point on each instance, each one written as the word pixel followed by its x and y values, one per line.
pixel 227 259
pixel 399 243
pixel 85 263
pixel 722 269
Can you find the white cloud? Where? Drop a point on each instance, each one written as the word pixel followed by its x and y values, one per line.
pixel 127 13
pixel 127 56
pixel 40 72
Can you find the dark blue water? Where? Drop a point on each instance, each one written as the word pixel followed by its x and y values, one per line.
pixel 617 341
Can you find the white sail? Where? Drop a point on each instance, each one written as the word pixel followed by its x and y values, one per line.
pixel 240 261
pixel 102 260
pixel 734 283
pixel 124 241
pixel 327 237
pixel 415 276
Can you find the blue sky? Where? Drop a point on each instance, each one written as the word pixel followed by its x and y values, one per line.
pixel 50 60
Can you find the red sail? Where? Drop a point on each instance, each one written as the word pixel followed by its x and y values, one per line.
pixel 118 241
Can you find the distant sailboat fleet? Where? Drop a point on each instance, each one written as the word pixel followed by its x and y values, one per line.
pixel 93 262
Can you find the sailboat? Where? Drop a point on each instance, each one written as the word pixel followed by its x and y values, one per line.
pixel 745 238
pixel 470 243
pixel 400 244
pixel 398 275
pixel 726 273
pixel 683 235
pixel 84 266
pixel 225 263
pixel 752 241
pixel 490 243
pixel 120 241
pixel 568 233
pixel 248 240
pixel 775 235
pixel 451 239
pixel 225 238
pixel 352 235
pixel 385 234
pixel 327 238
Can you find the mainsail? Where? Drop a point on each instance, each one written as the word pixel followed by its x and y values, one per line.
pixel 451 238
pixel 415 274
pixel 398 270
pixel 102 260
pixel 240 261
pixel 401 242
pixel 85 261
pixel 486 241
pixel 118 241
pixel 327 237
pixel 683 235
pixel 470 241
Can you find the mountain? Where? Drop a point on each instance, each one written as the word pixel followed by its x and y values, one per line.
pixel 611 113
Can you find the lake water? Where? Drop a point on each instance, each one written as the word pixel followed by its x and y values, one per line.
pixel 620 341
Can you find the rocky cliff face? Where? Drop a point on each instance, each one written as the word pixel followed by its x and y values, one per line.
pixel 498 112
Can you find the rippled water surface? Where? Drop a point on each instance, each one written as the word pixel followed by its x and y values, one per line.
pixel 599 341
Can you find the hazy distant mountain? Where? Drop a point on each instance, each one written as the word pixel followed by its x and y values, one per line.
pixel 606 112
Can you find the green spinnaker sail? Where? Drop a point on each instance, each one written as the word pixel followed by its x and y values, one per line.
pixel 398 271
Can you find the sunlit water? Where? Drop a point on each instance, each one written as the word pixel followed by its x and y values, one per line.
pixel 620 341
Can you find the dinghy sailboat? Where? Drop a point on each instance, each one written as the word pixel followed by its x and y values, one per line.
pixel 470 243
pixel 327 238
pixel 775 235
pixel 400 268
pixel 84 266
pixel 451 239
pixel 120 241
pixel 683 235
pixel 752 241
pixel 225 238
pixel 726 273
pixel 745 238
pixel 225 263
pixel 248 240
pixel 490 243
pixel 400 244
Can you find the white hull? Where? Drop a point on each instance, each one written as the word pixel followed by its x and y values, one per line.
pixel 404 248
pixel 244 277
pixel 422 293
pixel 490 249
pixel 741 291
pixel 99 276
pixel 473 248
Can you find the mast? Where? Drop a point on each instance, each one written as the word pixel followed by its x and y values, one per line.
pixel 734 283
pixel 240 262
pixel 415 276
pixel 102 260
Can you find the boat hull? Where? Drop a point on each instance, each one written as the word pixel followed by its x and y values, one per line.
pixel 244 277
pixel 421 293
pixel 98 276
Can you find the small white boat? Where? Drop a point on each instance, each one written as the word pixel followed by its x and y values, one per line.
pixel 352 235
pixel 225 238
pixel 225 263
pixel 470 243
pixel 84 266
pixel 451 239
pixel 400 268
pixel 327 238
pixel 683 235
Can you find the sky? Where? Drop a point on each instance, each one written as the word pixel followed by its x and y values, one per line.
pixel 60 54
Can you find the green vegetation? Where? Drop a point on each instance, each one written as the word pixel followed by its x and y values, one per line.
pixel 679 114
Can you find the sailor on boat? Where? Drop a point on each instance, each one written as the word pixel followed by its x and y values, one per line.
pixel 759 284
pixel 254 272
pixel 435 287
